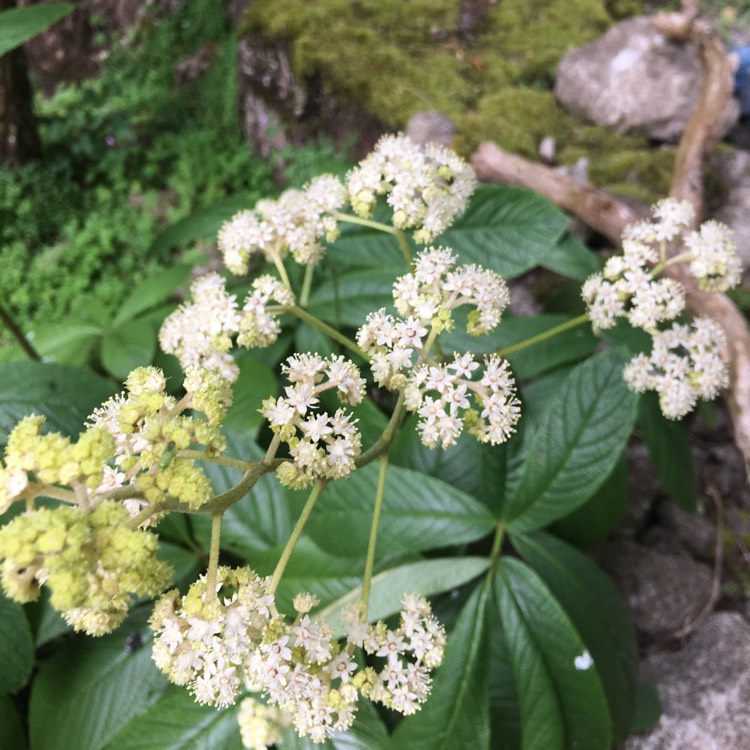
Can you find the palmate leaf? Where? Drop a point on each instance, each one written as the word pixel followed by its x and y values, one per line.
pixel 177 722
pixel 598 614
pixel 64 395
pixel 456 715
pixel 575 445
pixel 419 513
pixel 560 696
pixel 85 693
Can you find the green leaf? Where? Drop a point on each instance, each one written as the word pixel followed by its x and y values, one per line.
pixel 456 715
pixel 201 225
pixel 16 646
pixel 309 339
pixel 11 729
pixel 347 299
pixel 469 465
pixel 367 733
pixel 560 696
pixel 600 515
pixel 568 346
pixel 570 257
pixel 106 684
pixel 255 383
pixel 419 513
pixel 507 229
pixel 177 722
pixel 64 395
pixel 127 346
pixel 595 609
pixel 151 292
pixel 20 24
pixel 69 342
pixel 647 708
pixel 575 447
pixel 426 577
pixel 669 447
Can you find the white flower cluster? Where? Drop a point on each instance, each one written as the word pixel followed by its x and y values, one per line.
pixel 205 644
pixel 445 396
pixel 685 364
pixel 434 289
pixel 303 670
pixel 200 333
pixel 328 444
pixel 258 327
pixel 714 260
pixel 294 224
pixel 628 286
pixel 212 644
pixel 627 289
pixel 426 186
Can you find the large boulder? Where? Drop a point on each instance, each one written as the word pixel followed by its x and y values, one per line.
pixel 704 690
pixel 635 80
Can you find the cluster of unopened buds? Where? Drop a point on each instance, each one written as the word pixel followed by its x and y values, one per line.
pixel 446 396
pixel 685 364
pixel 214 644
pixel 321 445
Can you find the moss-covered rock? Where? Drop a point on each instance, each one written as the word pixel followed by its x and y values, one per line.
pixel 488 64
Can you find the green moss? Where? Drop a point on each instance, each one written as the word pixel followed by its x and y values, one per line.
pixel 397 58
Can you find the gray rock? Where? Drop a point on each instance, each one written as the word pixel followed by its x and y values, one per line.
pixel 732 169
pixel 662 592
pixel 695 532
pixel 704 690
pixel 431 127
pixel 635 80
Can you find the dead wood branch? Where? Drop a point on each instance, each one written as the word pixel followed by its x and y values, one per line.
pixel 609 216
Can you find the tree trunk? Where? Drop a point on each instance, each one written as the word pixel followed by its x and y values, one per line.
pixel 19 136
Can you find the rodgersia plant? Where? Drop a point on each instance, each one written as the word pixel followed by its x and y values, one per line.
pixel 397 281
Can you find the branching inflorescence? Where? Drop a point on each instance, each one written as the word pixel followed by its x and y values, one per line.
pixel 140 455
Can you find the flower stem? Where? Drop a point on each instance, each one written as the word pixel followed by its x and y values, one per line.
pixel 213 556
pixel 304 296
pixel 372 544
pixel 497 544
pixel 568 324
pixel 387 228
pixel 18 335
pixel 328 330
pixel 389 433
pixel 232 463
pixel 282 271
pixel 295 535
pixel 404 246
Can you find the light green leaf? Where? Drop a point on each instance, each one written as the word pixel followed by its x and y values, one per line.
pixel 456 715
pixel 347 299
pixel 419 513
pixel 309 339
pixel 152 291
pixel 568 346
pixel 595 609
pixel 507 229
pixel 16 646
pixel 106 684
pixel 18 25
pixel 669 447
pixel 561 700
pixel 255 383
pixel 201 225
pixel 68 343
pixel 576 445
pixel 426 577
pixel 177 722
pixel 64 395
pixel 11 729
pixel 127 346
